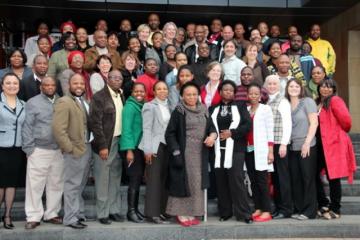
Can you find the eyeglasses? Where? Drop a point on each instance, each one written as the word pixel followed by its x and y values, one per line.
pixel 117 78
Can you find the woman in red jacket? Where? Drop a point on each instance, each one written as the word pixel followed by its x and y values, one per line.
pixel 338 158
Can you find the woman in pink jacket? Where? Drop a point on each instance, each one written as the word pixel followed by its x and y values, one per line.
pixel 338 158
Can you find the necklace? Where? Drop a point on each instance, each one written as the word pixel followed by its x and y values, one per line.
pixel 224 111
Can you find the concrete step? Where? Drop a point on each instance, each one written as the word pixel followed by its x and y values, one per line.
pixel 350 206
pixel 89 192
pixel 345 227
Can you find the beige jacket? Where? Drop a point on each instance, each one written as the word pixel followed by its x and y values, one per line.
pixel 69 126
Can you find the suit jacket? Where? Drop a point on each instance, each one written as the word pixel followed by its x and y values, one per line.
pixel 191 53
pixel 92 54
pixel 69 125
pixel 30 87
pixel 102 119
pixel 153 128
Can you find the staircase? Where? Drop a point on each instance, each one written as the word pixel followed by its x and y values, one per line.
pixel 348 226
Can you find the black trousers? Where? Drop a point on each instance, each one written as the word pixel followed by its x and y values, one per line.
pixel 212 192
pixel 259 184
pixel 334 204
pixel 303 185
pixel 282 184
pixel 231 190
pixel 156 194
pixel 135 171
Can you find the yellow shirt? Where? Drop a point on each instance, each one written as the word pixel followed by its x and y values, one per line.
pixel 118 111
pixel 322 50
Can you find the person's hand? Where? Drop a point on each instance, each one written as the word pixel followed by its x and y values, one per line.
pixel 129 157
pixel 305 150
pixel 148 158
pixel 209 141
pixel 225 134
pixel 270 156
pixel 104 154
pixel 282 150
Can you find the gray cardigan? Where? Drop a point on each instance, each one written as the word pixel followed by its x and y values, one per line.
pixel 153 128
pixel 37 130
pixel 151 53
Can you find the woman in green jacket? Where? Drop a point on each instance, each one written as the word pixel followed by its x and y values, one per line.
pixel 318 74
pixel 129 141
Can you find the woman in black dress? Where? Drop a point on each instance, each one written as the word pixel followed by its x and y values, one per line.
pixel 12 158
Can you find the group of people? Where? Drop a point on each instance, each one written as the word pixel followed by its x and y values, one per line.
pixel 182 110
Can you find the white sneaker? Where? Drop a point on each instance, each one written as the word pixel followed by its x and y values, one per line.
pixel 302 217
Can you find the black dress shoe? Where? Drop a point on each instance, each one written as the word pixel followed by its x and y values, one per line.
pixel 157 220
pixel 105 221
pixel 133 217
pixel 117 217
pixel 31 225
pixel 223 219
pixel 83 224
pixel 247 220
pixel 165 216
pixel 279 216
pixel 77 225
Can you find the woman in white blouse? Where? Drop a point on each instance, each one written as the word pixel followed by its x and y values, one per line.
pixel 282 131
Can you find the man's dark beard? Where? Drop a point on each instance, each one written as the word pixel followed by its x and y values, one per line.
pixel 74 94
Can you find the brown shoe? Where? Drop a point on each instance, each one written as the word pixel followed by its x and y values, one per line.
pixel 54 220
pixel 31 225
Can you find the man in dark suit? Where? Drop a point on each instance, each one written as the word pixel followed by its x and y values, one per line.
pixel 192 52
pixel 30 86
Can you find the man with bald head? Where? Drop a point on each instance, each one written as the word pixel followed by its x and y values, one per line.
pixel 44 158
pixel 100 48
pixel 105 122
pixel 70 129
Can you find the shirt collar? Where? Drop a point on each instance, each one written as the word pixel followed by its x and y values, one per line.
pixel 112 92
pixel 37 78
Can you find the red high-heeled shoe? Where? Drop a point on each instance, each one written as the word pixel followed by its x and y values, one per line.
pixel 195 221
pixel 262 219
pixel 185 223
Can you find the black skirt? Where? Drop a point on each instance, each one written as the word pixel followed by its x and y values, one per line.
pixel 12 167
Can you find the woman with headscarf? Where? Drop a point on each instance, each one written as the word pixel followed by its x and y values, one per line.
pixel 65 27
pixel 76 61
